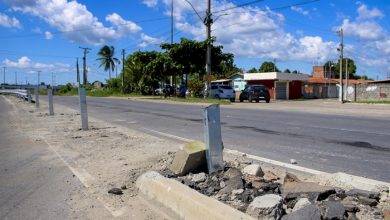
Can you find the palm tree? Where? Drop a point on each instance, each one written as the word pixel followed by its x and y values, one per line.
pixel 107 59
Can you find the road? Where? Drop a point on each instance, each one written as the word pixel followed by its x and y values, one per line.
pixel 34 182
pixel 330 143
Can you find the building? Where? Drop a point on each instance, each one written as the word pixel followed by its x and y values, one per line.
pixel 280 85
pixel 97 85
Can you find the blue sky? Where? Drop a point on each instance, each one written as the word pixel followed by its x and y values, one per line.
pixel 45 35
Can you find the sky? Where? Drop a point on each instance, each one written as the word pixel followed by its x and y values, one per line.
pixel 45 35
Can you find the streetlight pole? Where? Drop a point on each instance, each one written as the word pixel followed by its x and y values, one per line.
pixel 4 68
pixel 341 64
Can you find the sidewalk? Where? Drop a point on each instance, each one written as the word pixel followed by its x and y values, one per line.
pixel 99 159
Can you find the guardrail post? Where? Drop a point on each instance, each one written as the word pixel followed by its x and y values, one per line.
pixel 213 138
pixel 83 109
pixel 50 96
pixel 36 90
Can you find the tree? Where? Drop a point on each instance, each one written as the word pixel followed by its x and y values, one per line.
pixel 287 71
pixel 335 68
pixel 107 59
pixel 253 70
pixel 268 67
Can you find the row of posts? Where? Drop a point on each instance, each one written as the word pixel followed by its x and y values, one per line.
pixel 82 101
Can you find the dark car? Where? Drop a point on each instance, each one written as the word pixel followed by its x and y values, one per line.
pixel 255 93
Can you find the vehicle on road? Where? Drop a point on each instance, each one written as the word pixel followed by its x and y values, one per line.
pixel 255 93
pixel 222 92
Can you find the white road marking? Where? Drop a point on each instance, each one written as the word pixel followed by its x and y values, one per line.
pixel 168 135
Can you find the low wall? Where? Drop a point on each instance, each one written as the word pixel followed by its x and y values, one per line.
pixel 319 91
pixel 372 91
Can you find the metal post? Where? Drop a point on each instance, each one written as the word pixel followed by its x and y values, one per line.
pixel 50 96
pixel 36 90
pixel 213 138
pixel 83 109
pixel 341 64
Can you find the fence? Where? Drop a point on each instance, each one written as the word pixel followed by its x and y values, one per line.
pixel 369 92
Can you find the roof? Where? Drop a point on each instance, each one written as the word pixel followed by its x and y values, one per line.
pixel 236 74
pixel 276 76
pixel 381 81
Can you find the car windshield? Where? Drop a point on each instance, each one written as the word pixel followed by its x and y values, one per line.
pixel 258 88
pixel 225 87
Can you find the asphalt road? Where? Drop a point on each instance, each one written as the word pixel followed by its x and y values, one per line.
pixel 34 182
pixel 331 143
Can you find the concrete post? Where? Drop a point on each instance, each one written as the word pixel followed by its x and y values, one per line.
pixel 83 109
pixel 29 96
pixel 50 96
pixel 36 90
pixel 213 138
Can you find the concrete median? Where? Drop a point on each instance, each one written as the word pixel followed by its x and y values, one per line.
pixel 185 202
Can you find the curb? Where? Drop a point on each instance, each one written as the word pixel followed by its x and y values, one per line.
pixel 185 202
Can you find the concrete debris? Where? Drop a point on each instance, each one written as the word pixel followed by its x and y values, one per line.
pixel 115 191
pixel 191 158
pixel 302 202
pixel 332 210
pixel 266 207
pixel 253 169
pixel 285 196
pixel 309 212
pixel 293 161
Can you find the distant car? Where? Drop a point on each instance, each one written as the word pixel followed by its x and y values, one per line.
pixel 255 93
pixel 222 92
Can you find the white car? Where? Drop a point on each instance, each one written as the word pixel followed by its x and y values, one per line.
pixel 222 92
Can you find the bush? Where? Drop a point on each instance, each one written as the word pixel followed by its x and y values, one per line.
pixel 195 86
pixel 114 84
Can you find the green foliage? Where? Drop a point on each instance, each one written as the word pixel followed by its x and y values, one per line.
pixel 114 84
pixel 67 89
pixel 335 68
pixel 268 67
pixel 195 87
pixel 253 70
pixel 107 59
pixel 287 71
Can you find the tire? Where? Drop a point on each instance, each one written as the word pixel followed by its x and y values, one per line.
pixel 250 99
pixel 267 100
pixel 217 97
pixel 257 100
pixel 232 100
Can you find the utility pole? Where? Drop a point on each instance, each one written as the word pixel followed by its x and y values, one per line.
pixel 78 72
pixel 208 21
pixel 123 70
pixel 346 78
pixel 341 49
pixel 172 24
pixel 52 80
pixel 86 50
pixel 274 65
pixel 38 76
pixel 16 78
pixel 4 68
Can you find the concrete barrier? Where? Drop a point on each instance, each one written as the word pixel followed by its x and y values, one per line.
pixel 184 201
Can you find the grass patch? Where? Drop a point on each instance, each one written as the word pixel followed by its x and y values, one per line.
pixel 192 100
pixel 374 101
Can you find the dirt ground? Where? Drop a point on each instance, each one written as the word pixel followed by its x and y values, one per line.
pixel 103 157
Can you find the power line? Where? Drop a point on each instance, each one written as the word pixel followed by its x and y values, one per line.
pixel 239 6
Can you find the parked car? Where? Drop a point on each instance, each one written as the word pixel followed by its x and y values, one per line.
pixel 222 92
pixel 255 93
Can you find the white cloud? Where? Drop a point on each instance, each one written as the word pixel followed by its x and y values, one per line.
pixel 365 13
pixel 251 32
pixel 48 35
pixel 150 3
pixel 75 20
pixel 148 40
pixel 366 30
pixel 7 21
pixel 26 63
pixel 299 10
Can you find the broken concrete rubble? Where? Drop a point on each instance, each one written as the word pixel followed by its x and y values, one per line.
pixel 190 158
pixel 309 212
pixel 266 207
pixel 302 202
pixel 332 210
pixel 253 169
